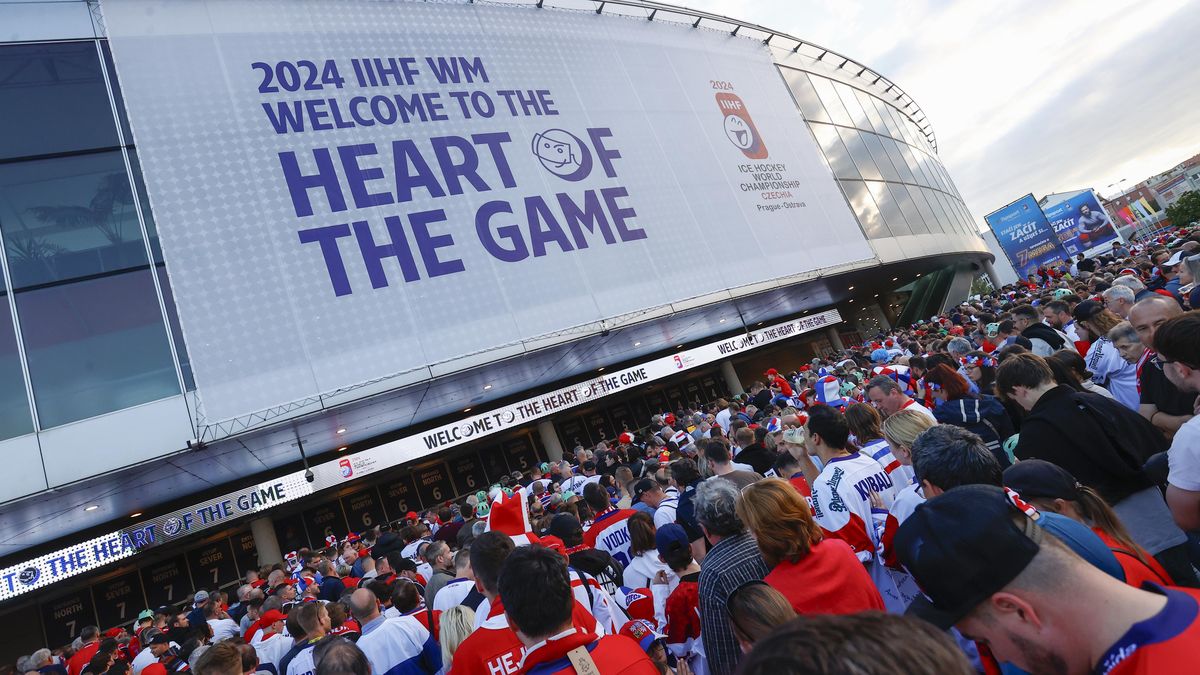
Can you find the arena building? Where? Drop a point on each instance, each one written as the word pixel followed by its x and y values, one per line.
pixel 406 248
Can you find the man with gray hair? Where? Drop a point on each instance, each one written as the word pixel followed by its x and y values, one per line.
pixel 1127 342
pixel 1119 299
pixel 733 560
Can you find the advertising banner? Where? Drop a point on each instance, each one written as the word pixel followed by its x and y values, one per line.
pixel 1081 223
pixel 350 190
pixel 1025 235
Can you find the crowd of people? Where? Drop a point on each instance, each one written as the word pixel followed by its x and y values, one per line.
pixel 1013 486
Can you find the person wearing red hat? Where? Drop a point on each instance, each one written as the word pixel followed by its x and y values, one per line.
pixel 269 642
pixel 539 602
pixel 775 379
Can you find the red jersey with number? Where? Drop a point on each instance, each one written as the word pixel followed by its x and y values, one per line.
pixel 1165 644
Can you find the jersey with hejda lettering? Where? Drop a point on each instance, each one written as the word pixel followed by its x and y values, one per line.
pixel 610 532
pixel 841 501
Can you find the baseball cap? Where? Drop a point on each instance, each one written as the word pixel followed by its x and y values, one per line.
pixel 641 632
pixel 160 639
pixel 670 538
pixel 113 632
pixel 201 597
pixel 566 527
pixel 1175 259
pixel 1086 310
pixel 961 547
pixel 638 603
pixel 145 614
pixel 271 616
pixel 1039 478
pixel 642 487
pixel 165 610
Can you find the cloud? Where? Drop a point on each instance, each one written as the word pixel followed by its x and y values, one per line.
pixel 1024 96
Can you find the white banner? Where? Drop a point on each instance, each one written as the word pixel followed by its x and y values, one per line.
pixel 91 555
pixel 350 190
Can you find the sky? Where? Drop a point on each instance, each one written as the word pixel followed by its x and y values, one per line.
pixel 1025 96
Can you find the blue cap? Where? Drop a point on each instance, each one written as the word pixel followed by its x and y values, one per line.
pixel 880 356
pixel 671 538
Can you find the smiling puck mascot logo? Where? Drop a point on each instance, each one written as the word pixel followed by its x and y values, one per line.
pixel 563 154
pixel 739 128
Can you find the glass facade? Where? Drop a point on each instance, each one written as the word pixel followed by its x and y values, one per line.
pixel 884 163
pixel 84 277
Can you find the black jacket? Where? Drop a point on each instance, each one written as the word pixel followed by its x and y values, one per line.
pixel 757 456
pixel 1099 441
pixel 1046 334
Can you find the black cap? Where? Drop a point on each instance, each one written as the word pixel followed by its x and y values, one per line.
pixel 642 487
pixel 1032 478
pixel 160 639
pixel 961 547
pixel 565 526
pixel 1086 310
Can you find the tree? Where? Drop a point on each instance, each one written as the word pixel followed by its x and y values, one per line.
pixel 1185 210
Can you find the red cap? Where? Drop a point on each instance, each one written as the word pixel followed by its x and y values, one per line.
pixel 271 616
pixel 258 583
pixel 411 515
pixel 113 632
pixel 554 544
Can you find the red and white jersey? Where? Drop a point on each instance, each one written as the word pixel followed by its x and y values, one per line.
pixel 494 649
pixel 590 594
pixel 610 532
pixel 841 501
pixel 907 500
pixel 913 405
pixel 881 452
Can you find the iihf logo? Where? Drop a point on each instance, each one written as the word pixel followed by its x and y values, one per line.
pixel 562 154
pixel 346 467
pixel 739 128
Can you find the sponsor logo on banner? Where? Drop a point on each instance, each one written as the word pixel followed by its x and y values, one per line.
pixel 563 154
pixel 345 466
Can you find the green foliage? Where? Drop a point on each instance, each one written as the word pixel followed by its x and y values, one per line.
pixel 1185 210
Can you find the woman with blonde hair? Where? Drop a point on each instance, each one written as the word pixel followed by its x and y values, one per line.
pixel 456 624
pixel 901 431
pixel 815 574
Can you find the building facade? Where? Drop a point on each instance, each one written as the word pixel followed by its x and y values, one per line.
pixel 99 417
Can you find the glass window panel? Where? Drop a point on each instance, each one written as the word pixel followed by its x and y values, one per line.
pixel 915 221
pixel 860 153
pixel 940 176
pixel 835 151
pixel 15 419
pixel 884 112
pixel 865 100
pixel 54 94
pixel 865 208
pixel 95 346
pixel 893 152
pixel 910 158
pixel 806 96
pixel 926 176
pixel 846 94
pixel 833 104
pixel 931 221
pixel 893 217
pixel 875 145
pixel 939 209
pixel 951 222
pixel 68 217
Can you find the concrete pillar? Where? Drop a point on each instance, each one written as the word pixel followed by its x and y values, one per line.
pixel 550 440
pixel 731 377
pixel 990 270
pixel 835 339
pixel 887 312
pixel 265 541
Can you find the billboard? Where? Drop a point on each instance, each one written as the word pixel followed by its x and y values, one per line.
pixel 1025 235
pixel 350 190
pixel 1081 223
